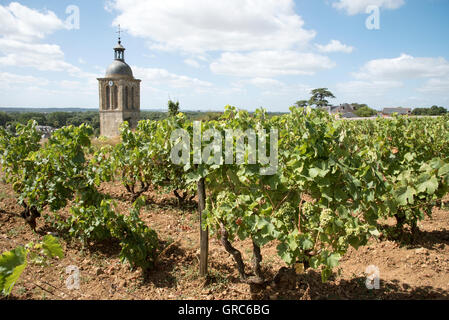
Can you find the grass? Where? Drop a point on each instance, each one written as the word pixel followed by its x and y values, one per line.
pixel 15 231
pixel 268 260
pixel 169 240
pixel 186 220
pixel 84 279
pixel 191 243
pixel 41 293
pixel 21 290
pixel 219 278
pixel 97 259
pixel 190 272
pixel 132 289
pixel 4 195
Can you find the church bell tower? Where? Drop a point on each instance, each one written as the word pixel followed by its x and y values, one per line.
pixel 119 95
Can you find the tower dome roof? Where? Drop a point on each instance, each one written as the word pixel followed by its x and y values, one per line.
pixel 119 68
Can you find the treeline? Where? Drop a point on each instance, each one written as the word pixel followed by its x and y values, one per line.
pixel 362 110
pixel 191 115
pixel 92 118
pixel 54 119
pixel 433 111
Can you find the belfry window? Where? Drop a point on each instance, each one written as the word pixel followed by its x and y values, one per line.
pixel 108 98
pixel 125 99
pixel 132 99
pixel 114 98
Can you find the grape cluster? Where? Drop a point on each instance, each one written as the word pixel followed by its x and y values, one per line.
pixel 308 209
pixel 325 217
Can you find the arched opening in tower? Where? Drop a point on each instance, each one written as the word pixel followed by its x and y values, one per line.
pixel 132 99
pixel 115 98
pixel 108 98
pixel 125 99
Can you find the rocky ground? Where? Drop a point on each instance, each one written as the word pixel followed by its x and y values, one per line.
pixel 418 271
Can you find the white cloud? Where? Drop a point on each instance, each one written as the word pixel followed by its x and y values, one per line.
pixel 201 26
pixel 353 7
pixel 403 68
pixel 86 87
pixel 192 63
pixel 20 22
pixel 10 78
pixel 367 88
pixel 335 46
pixel 376 94
pixel 292 92
pixel 162 77
pixel 43 57
pixel 38 96
pixel 436 86
pixel 69 84
pixel 380 80
pixel 263 83
pixel 265 64
pixel 21 29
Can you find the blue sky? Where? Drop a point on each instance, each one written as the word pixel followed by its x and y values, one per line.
pixel 246 53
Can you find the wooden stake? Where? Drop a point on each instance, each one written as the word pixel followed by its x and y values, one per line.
pixel 204 234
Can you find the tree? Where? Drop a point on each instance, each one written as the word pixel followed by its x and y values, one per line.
pixel 358 106
pixel 302 103
pixel 319 97
pixel 365 112
pixel 436 111
pixel 433 111
pixel 57 119
pixel 24 117
pixel 419 111
pixel 4 118
pixel 173 108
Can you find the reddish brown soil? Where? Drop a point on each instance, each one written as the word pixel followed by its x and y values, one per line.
pixel 418 271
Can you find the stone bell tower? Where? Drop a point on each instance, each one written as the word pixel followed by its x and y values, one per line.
pixel 119 95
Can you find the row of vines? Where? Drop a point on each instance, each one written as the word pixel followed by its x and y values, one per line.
pixel 336 181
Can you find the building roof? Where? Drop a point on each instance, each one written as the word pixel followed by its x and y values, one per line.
pixel 119 68
pixel 45 128
pixel 349 115
pixel 343 108
pixel 119 47
pixel 333 109
pixel 397 110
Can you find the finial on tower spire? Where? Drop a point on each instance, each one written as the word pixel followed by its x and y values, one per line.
pixel 119 35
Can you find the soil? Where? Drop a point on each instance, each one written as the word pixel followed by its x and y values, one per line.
pixel 406 271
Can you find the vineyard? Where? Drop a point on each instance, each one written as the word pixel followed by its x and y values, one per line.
pixel 345 195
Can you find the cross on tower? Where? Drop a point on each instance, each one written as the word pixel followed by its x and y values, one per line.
pixel 119 35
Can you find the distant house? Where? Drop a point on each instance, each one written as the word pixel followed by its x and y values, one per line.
pixel 332 109
pixel 46 131
pixel 400 111
pixel 343 108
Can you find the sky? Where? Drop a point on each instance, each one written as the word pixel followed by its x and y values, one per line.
pixel 208 54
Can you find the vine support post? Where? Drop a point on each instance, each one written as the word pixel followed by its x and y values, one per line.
pixel 204 234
